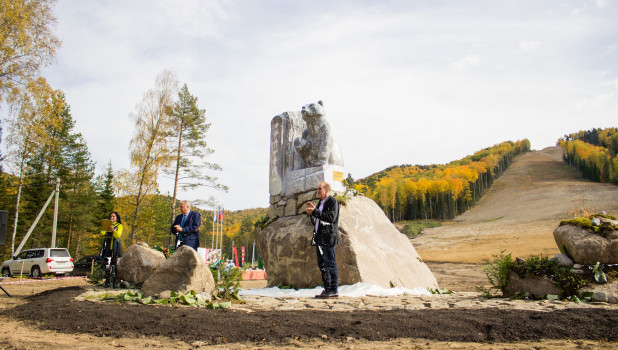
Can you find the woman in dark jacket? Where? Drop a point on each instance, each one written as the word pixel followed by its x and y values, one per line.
pixel 111 248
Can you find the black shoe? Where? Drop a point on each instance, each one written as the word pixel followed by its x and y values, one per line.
pixel 333 295
pixel 323 295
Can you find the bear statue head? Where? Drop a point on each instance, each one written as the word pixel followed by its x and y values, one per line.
pixel 313 110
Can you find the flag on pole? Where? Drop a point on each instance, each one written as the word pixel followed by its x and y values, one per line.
pixel 214 215
pixel 221 211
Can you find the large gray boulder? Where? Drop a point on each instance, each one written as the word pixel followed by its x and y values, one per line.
pixel 182 272
pixel 585 246
pixel 138 263
pixel 370 250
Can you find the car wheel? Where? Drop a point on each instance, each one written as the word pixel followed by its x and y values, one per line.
pixel 6 272
pixel 36 272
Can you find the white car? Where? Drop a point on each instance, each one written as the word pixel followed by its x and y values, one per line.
pixel 38 262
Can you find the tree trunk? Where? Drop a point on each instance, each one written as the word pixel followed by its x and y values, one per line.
pixel 171 240
pixel 21 183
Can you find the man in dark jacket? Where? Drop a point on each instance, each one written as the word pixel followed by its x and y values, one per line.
pixel 186 227
pixel 325 219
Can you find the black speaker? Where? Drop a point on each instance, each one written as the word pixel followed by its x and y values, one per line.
pixel 4 219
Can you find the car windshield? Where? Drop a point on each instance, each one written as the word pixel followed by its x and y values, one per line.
pixel 58 253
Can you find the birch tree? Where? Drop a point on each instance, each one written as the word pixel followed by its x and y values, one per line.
pixel 27 42
pixel 32 117
pixel 149 147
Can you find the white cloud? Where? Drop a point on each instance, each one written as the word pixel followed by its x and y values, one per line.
pixel 601 3
pixel 467 62
pixel 528 46
pixel 402 82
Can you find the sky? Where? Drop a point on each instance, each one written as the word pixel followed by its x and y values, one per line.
pixel 403 82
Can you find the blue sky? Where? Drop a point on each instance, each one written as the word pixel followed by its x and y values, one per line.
pixel 403 82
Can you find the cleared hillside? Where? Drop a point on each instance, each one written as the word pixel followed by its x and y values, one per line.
pixel 519 213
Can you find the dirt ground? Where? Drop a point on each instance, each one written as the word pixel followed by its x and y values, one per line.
pixel 518 214
pixel 47 315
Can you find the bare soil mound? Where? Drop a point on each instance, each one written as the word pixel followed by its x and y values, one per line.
pixel 519 213
pixel 58 311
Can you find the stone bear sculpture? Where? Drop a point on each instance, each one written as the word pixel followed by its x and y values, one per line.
pixel 316 146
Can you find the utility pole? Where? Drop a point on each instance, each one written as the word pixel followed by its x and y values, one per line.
pixel 53 240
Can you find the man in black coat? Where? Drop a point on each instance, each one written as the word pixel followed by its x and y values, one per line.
pixel 186 227
pixel 325 219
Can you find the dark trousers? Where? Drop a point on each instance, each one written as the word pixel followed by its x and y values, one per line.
pixel 192 240
pixel 328 267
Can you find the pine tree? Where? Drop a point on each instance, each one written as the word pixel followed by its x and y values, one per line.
pixel 190 148
pixel 78 204
pixel 105 192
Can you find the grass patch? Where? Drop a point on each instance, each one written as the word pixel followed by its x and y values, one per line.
pixel 495 219
pixel 415 227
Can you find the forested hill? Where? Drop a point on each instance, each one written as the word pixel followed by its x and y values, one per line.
pixel 594 152
pixel 437 191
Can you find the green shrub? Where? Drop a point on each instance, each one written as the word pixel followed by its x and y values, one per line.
pixel 227 282
pixel 343 199
pixel 497 271
pixel 96 275
pixel 416 227
pixel 264 221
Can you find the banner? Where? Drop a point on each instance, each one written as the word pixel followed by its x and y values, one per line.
pixel 236 257
pixel 242 254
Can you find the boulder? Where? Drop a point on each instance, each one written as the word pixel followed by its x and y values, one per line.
pixel 537 286
pixel 138 263
pixel 370 250
pixel 182 272
pixel 585 246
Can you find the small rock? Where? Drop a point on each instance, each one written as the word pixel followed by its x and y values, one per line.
pixel 577 266
pixel 600 297
pixel 563 260
pixel 166 294
pixel 520 261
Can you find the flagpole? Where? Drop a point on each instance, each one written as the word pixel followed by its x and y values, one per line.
pixel 221 211
pixel 218 224
pixel 212 246
pixel 219 232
